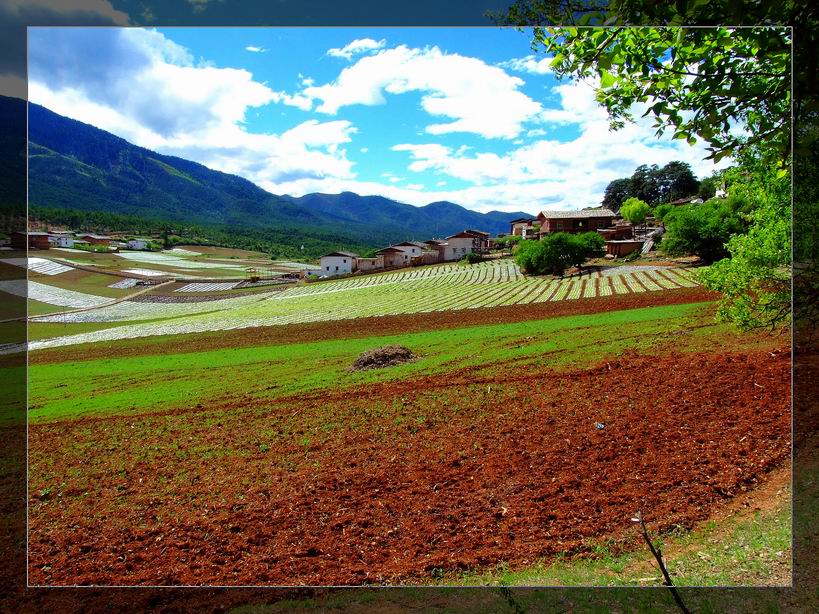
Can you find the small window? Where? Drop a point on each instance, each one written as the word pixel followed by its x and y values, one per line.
pixel 345 261
pixel 336 268
pixel 328 268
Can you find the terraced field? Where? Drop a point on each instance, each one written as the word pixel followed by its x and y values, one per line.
pixel 410 291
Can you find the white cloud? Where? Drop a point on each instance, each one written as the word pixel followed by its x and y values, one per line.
pixel 361 45
pixel 529 64
pixel 477 97
pixel 255 49
pixel 147 90
pixel 558 174
pixel 364 149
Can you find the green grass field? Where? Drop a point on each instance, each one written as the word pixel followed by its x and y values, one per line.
pixel 162 381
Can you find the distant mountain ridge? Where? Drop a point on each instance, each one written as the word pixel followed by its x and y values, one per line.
pixel 75 165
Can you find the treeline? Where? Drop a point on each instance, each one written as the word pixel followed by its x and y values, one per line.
pixel 655 184
pixel 283 242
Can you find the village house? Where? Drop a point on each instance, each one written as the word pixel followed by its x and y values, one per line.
pixel 521 227
pixel 35 240
pixel 338 263
pixel 393 257
pixel 459 245
pixel 95 239
pixel 584 220
pixel 138 244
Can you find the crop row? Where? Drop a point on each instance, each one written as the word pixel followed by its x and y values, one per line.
pixel 452 288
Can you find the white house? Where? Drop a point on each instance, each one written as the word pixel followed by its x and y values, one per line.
pixel 458 245
pixel 140 244
pixel 63 241
pixel 337 263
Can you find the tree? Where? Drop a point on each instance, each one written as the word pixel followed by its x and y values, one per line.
pixel 677 181
pixel 698 84
pixel 635 211
pixel 701 230
pixel 709 185
pixel 616 192
pixel 644 183
pixel 557 251
pixel 660 211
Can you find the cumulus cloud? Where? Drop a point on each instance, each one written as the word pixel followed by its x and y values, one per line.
pixel 561 174
pixel 143 87
pixel 529 64
pixel 478 98
pixel 361 45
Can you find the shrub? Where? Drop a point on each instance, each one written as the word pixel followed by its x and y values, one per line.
pixel 557 251
pixel 471 258
pixel 702 230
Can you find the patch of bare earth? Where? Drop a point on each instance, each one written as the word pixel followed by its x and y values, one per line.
pixel 447 472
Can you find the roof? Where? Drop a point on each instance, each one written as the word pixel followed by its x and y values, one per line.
pixel 34 234
pixel 340 255
pixel 93 236
pixel 389 249
pixel 477 232
pixel 582 213
pixel 468 234
pixel 522 219
pixel 411 244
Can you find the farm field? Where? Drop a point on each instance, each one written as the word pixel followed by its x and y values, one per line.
pixel 191 262
pixel 443 288
pixel 235 446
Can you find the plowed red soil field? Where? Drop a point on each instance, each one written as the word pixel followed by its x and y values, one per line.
pixel 400 479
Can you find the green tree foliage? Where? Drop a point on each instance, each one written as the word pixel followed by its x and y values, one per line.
pixel 652 184
pixel 701 229
pixel 635 210
pixel 557 251
pixel 616 193
pixel 709 185
pixel 660 211
pixel 284 242
pixel 698 83
pixel 677 181
pixel 755 279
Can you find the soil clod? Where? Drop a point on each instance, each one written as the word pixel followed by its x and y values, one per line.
pixel 386 356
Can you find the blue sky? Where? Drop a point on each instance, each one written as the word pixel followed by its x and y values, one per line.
pixel 470 115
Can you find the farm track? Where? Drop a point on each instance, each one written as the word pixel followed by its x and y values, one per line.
pixel 437 473
pixel 376 325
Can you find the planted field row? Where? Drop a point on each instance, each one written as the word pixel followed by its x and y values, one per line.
pixel 407 292
pixel 51 294
pixel 39 265
pixel 208 286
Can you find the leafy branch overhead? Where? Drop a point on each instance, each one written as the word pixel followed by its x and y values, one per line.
pixel 697 83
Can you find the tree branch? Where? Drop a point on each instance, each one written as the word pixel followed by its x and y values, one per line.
pixel 658 555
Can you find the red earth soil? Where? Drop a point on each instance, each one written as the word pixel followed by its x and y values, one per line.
pixel 380 325
pixel 516 472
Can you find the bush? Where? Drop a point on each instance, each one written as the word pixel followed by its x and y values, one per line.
pixel 635 210
pixel 471 258
pixel 660 211
pixel 557 251
pixel 702 230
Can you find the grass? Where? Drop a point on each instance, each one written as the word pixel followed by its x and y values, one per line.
pixel 163 381
pixel 743 550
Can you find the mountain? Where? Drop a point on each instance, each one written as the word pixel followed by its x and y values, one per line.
pixel 77 166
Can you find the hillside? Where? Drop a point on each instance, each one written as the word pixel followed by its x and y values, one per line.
pixel 80 167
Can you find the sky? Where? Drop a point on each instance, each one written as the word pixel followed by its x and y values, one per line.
pixel 469 115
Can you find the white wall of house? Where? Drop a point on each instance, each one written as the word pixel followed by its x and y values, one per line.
pixel 457 248
pixel 64 241
pixel 137 244
pixel 336 265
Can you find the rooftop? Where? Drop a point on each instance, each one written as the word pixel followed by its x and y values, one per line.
pixel 582 213
pixel 341 254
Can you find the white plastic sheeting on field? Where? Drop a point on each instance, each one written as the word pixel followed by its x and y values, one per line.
pixel 39 265
pixel 52 295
